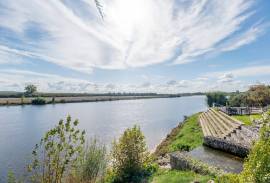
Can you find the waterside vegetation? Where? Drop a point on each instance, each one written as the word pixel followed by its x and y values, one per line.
pixel 255 96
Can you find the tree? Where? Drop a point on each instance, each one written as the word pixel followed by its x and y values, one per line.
pixel 57 153
pixel 30 89
pixel 130 156
pixel 258 95
pixel 218 98
pixel 238 100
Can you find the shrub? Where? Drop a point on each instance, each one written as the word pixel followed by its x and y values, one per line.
pixel 228 178
pixel 92 165
pixel 257 166
pixel 39 101
pixel 57 153
pixel 11 177
pixel 62 101
pixel 130 158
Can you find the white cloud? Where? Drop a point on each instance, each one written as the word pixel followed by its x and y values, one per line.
pixel 12 79
pixel 263 70
pixel 132 34
pixel 226 78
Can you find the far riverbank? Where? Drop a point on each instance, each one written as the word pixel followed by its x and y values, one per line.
pixel 55 100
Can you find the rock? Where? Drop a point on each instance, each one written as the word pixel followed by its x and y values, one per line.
pixel 163 160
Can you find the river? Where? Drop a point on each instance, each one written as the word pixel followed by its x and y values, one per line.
pixel 23 126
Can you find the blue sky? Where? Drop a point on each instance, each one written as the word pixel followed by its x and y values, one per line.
pixel 138 46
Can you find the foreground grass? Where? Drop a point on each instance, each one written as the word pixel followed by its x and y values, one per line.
pixel 185 137
pixel 247 119
pixel 174 176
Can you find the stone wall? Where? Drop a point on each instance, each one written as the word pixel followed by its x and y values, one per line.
pixel 227 146
pixel 182 161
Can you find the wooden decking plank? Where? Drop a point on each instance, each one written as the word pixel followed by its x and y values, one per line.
pixel 212 128
pixel 226 120
pixel 226 128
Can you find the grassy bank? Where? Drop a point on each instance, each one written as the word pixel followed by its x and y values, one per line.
pixel 186 136
pixel 173 176
pixel 247 119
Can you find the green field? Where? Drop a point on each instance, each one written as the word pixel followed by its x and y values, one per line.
pixel 247 119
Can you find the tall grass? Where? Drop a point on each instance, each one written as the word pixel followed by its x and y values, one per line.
pixel 92 165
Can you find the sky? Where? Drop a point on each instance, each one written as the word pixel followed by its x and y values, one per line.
pixel 162 46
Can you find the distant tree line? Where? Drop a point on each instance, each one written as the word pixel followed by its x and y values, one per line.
pixel 256 96
pixel 31 91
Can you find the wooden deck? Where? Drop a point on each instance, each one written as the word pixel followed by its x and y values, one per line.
pixel 218 124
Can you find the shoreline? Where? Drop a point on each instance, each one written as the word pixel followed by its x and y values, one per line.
pixel 62 100
pixel 164 146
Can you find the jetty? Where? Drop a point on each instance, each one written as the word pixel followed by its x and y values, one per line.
pixel 226 133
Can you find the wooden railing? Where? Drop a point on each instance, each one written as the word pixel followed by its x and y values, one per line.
pixel 241 110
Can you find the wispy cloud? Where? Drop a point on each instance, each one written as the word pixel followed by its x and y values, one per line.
pixel 132 33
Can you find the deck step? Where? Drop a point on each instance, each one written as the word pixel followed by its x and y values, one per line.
pixel 212 127
pixel 229 121
pixel 219 129
pixel 218 124
pixel 223 123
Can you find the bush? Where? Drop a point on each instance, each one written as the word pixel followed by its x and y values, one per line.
pixel 57 153
pixel 257 166
pixel 11 177
pixel 62 101
pixel 130 158
pixel 228 178
pixel 39 101
pixel 92 165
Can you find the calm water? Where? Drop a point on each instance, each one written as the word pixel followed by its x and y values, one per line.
pixel 216 158
pixel 23 126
